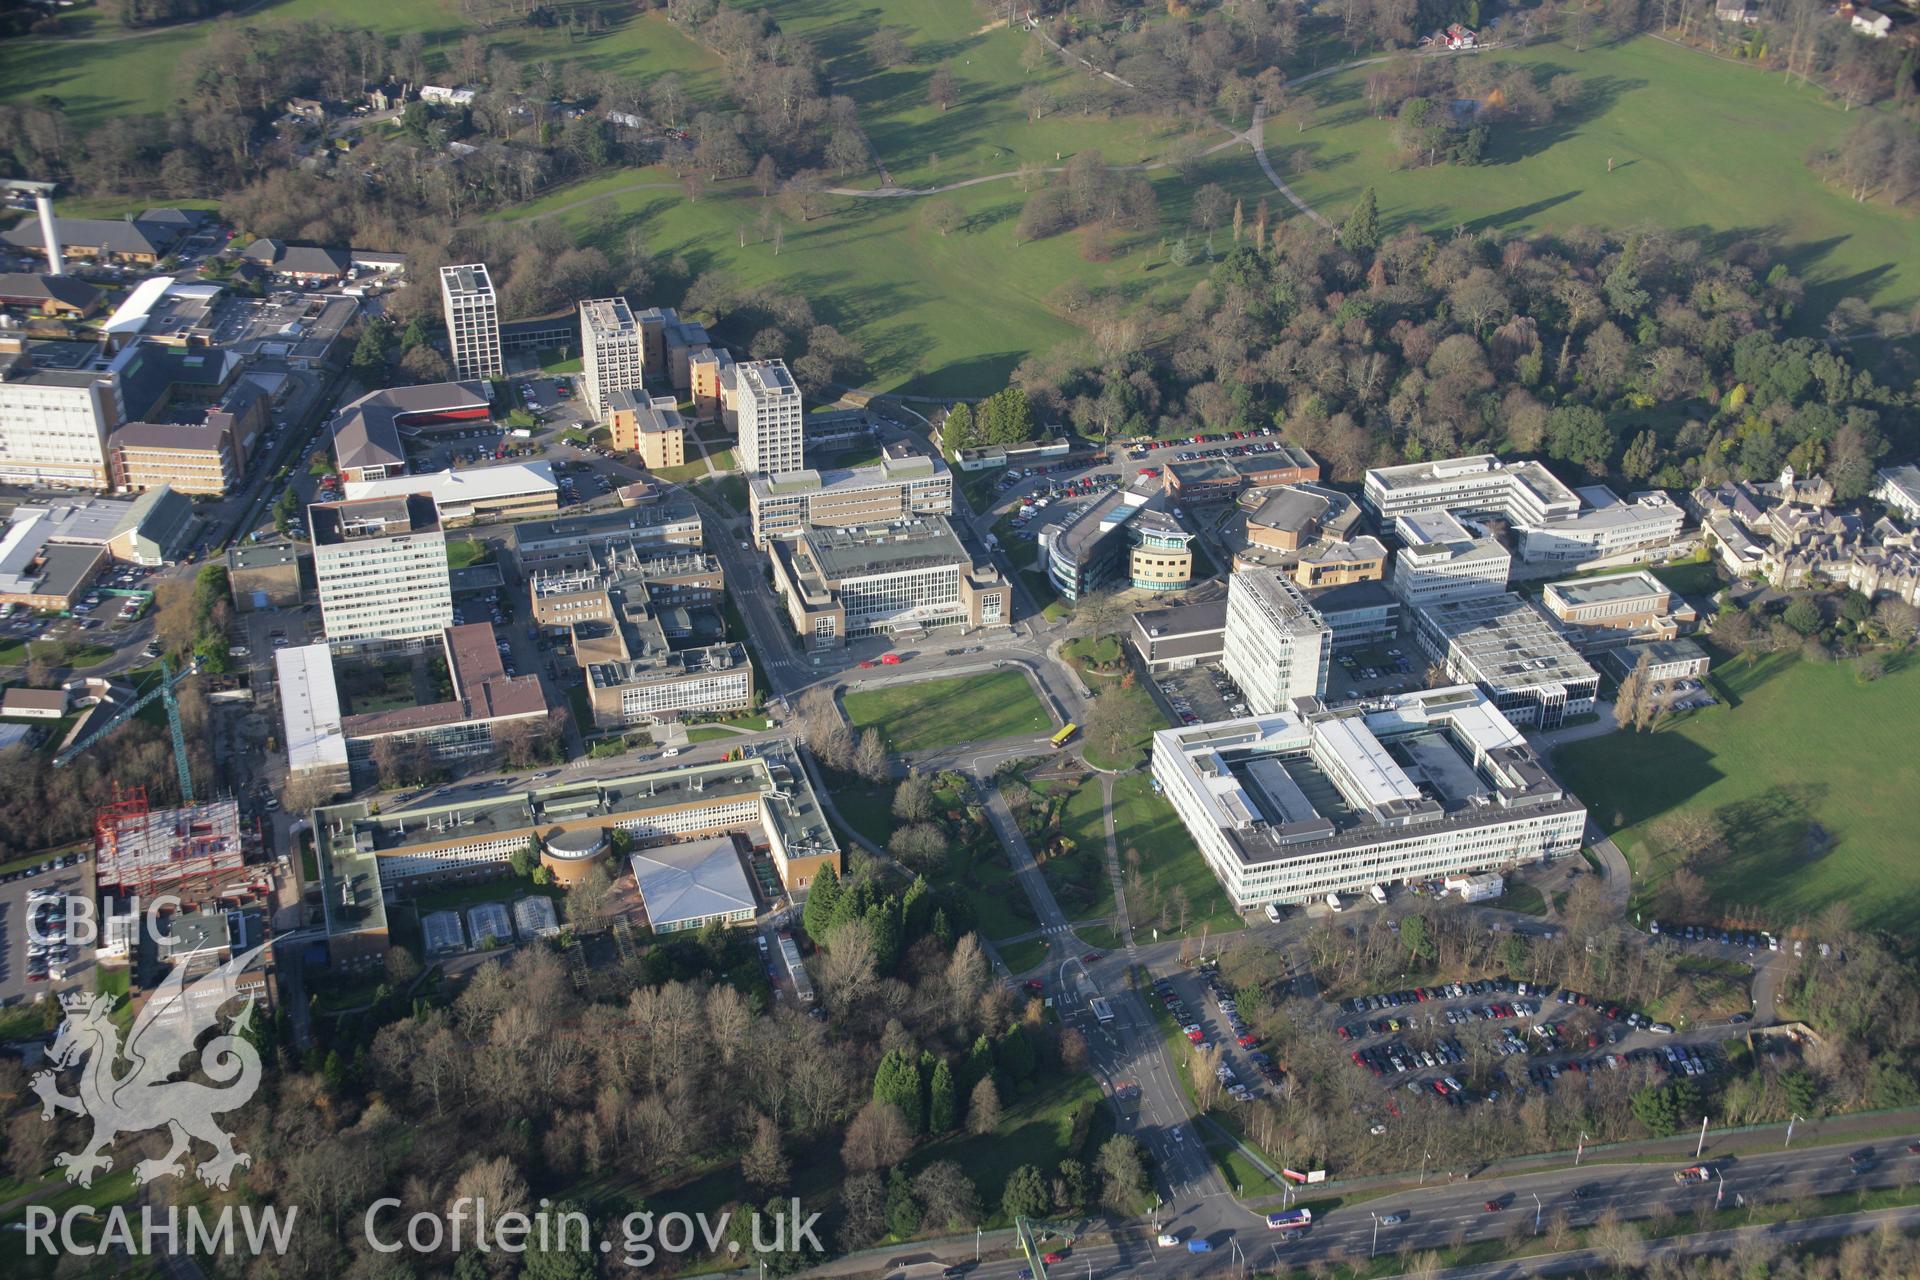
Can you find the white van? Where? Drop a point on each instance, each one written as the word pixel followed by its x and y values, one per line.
pixel 1273 912
pixel 1333 903
pixel 1378 894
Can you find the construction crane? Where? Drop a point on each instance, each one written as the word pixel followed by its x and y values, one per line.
pixel 163 691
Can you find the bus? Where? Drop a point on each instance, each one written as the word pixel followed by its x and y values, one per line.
pixel 1290 1220
pixel 1101 1009
pixel 1065 735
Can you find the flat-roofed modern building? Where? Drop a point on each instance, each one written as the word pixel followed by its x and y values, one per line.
pixel 841 583
pixel 1359 614
pixel 767 404
pixel 1121 540
pixel 473 320
pixel 1618 608
pixel 1290 807
pixel 668 524
pixel 1509 648
pixel 310 714
pixel 903 485
pixel 381 568
pixel 612 355
pixel 1666 660
pixel 1607 527
pixel 1899 488
pixel 364 855
pixel 1179 638
pixel 191 457
pixel 57 406
pixel 264 575
pixel 1523 493
pixel 506 491
pixel 1206 480
pixel 1441 559
pixel 648 425
pixel 671 344
pixel 1278 647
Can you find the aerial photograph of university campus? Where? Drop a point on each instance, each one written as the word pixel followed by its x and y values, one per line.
pixel 959 639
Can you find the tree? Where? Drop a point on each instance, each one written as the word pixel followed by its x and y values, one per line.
pixel 1099 613
pixel 764 1164
pixel 1638 702
pixel 1125 1172
pixel 555 1256
pixel 942 91
pixel 950 1200
pixel 1117 719
pixel 920 845
pixel 903 1210
pixel 1025 1195
pixel 878 1138
pixel 944 216
pixel 897 1081
pixel 1579 433
pixel 983 1106
pixel 1415 938
pixel 1803 615
pixel 957 430
pixel 823 901
pixel 1898 621
pixel 890 48
pixel 913 799
pixel 587 895
pixel 523 860
pixel 1638 462
pixel 1360 233
pixel 870 758
pixel 943 1107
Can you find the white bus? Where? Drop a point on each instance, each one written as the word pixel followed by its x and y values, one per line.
pixel 1101 1009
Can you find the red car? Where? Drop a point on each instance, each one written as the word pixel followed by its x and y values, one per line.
pixel 1249 1040
pixel 1091 956
pixel 1493 1206
pixel 1052 1258
pixel 889 659
pixel 865 665
pixel 1034 984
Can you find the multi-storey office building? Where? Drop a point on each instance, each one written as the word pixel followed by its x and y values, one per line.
pixel 1290 807
pixel 1277 646
pixel 767 402
pixel 903 485
pixel 1507 647
pixel 840 583
pixel 668 524
pixel 1523 493
pixel 1120 540
pixel 648 425
pixel 364 855
pixel 1616 608
pixel 473 320
pixel 1441 559
pixel 612 354
pixel 381 568
pixel 58 403
pixel 1606 528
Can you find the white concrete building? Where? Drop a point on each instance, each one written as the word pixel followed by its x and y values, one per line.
pixel 611 351
pixel 1441 559
pixel 1513 652
pixel 1899 488
pixel 1607 527
pixel 1524 493
pixel 768 405
pixel 1277 646
pixel 57 407
pixel 473 320
pixel 1290 807
pixel 381 566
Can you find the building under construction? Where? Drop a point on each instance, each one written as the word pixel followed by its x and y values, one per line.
pixel 194 851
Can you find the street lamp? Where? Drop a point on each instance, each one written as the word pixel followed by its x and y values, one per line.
pixel 1790 1120
pixel 1424 1156
pixel 1579 1150
pixel 1374 1248
pixel 1536 1213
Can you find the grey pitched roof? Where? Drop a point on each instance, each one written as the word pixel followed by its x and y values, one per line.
pixel 20 286
pixel 108 233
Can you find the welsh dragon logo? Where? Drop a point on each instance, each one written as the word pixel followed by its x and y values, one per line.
pixel 145 1095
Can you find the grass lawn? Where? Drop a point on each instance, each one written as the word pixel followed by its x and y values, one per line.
pixel 462 552
pixel 1079 880
pixel 79 656
pixel 730 491
pixel 1146 713
pixel 1091 651
pixel 1811 772
pixel 1052 1122
pixel 709 733
pixel 1171 869
pixel 685 472
pixel 98 80
pixel 556 360
pixel 934 314
pixel 944 713
pixel 868 809
pixel 1735 171
pixel 1521 897
pixel 1022 956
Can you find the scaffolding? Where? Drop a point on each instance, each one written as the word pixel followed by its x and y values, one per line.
pixel 195 849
